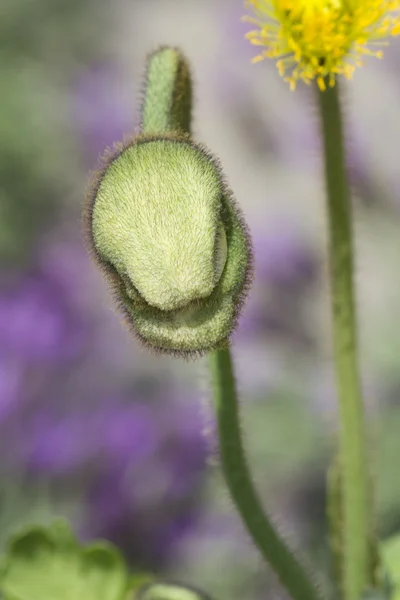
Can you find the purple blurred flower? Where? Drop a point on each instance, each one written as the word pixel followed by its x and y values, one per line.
pixel 9 387
pixel 36 323
pixel 146 500
pixel 286 269
pixel 67 264
pixel 41 331
pixel 133 465
pixel 284 259
pixel 108 433
pixel 103 108
pixel 142 471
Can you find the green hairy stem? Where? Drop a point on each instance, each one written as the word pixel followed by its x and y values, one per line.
pixel 167 102
pixel 165 229
pixel 356 523
pixel 273 548
pixel 163 109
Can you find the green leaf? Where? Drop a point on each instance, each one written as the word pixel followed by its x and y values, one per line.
pixel 138 581
pixel 161 590
pixel 48 564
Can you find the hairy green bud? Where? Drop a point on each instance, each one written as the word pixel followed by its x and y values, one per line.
pixel 164 228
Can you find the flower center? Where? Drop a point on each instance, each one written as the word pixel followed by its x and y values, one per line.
pixel 319 39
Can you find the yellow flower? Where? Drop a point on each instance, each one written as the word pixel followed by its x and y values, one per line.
pixel 320 39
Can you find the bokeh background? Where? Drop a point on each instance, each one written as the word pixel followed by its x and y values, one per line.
pixel 122 443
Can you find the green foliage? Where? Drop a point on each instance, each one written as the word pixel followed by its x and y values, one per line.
pixel 385 594
pixel 39 163
pixel 27 142
pixel 169 591
pixel 48 564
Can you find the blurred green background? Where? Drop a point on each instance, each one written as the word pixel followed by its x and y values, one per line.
pixel 94 428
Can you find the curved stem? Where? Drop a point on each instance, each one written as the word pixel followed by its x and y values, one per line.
pixel 352 451
pixel 234 465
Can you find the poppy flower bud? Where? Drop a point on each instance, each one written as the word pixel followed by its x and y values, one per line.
pixel 164 228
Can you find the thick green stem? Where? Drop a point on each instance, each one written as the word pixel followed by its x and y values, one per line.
pixel 234 465
pixel 352 451
pixel 167 100
pixel 166 108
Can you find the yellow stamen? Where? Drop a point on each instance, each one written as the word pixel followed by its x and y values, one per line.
pixel 320 39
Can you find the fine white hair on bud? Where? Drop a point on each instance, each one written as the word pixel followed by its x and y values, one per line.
pixel 164 228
